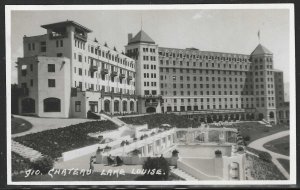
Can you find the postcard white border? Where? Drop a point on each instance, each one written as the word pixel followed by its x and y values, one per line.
pixel 290 7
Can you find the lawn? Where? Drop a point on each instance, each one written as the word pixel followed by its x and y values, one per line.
pixel 285 163
pixel 155 120
pixel 262 170
pixel 19 125
pixel 56 141
pixel 281 145
pixel 256 130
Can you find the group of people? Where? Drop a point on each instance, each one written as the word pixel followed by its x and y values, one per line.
pixel 110 160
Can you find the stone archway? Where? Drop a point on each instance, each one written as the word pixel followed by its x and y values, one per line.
pixel 124 105
pixel 272 115
pixel 116 106
pixel 260 116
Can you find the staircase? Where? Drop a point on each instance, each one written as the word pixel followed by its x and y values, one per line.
pixel 183 174
pixel 115 120
pixel 25 151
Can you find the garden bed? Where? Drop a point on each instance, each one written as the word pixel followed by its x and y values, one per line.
pixel 156 120
pixel 262 170
pixel 19 164
pixel 56 141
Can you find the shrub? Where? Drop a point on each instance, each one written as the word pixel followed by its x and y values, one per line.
pixel 266 130
pixel 91 115
pixel 156 163
pixel 265 156
pixel 43 164
pixel 123 143
pixel 175 152
pixel 247 138
pixel 240 149
pixel 134 139
pixel 218 153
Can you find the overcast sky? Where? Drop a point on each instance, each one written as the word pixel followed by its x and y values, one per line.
pixel 233 31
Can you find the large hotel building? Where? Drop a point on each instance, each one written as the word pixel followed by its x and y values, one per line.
pixel 65 74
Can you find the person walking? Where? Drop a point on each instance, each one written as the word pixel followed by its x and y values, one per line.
pixel 92 164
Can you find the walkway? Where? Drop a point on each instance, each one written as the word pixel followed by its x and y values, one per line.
pixel 258 144
pixel 41 124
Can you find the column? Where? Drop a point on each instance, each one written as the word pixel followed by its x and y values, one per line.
pixel 145 150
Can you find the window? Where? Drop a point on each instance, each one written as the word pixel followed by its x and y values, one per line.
pixel 59 55
pixel 80 58
pixel 43 47
pixel 51 105
pixel 51 68
pixel 51 83
pixel 77 106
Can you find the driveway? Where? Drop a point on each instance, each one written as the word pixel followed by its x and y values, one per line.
pixel 258 144
pixel 41 124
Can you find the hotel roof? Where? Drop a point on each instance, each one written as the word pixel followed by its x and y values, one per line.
pixel 261 50
pixel 66 23
pixel 141 37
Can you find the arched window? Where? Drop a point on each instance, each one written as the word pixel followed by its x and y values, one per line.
pixel 51 105
pixel 124 105
pixel 107 106
pixel 131 106
pixel 116 106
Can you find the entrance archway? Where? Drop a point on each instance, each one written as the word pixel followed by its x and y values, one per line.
pixel 28 105
pixel 124 105
pixel 116 106
pixel 271 115
pixel 131 106
pixel 150 110
pixel 260 116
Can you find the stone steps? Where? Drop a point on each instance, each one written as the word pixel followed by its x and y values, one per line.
pixel 183 174
pixel 25 151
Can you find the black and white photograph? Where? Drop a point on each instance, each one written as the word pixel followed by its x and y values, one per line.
pixel 151 94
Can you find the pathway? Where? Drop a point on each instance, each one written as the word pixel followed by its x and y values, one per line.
pixel 25 151
pixel 41 124
pixel 258 144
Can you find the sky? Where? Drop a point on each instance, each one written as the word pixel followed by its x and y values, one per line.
pixel 227 30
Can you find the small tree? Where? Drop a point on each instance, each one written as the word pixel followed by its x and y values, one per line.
pixel 265 156
pixel 43 164
pixel 123 143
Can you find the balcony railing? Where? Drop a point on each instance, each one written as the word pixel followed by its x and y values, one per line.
pixel 151 104
pixel 104 71
pixel 81 37
pixel 129 77
pixel 150 96
pixel 58 36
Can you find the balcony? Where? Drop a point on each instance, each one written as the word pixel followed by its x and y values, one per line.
pixel 80 37
pixel 122 76
pixel 114 73
pixel 54 36
pixel 147 104
pixel 93 67
pixel 23 91
pixel 129 77
pixel 104 71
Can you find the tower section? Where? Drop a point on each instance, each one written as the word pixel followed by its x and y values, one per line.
pixel 264 83
pixel 144 51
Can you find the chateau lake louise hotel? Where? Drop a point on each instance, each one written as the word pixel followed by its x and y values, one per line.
pixel 65 74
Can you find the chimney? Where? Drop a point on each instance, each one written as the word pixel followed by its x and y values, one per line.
pixel 129 37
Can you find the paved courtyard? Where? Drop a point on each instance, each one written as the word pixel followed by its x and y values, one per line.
pixel 42 124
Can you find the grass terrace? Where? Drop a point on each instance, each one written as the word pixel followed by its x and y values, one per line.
pixel 281 145
pixel 285 163
pixel 56 141
pixel 156 120
pixel 19 125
